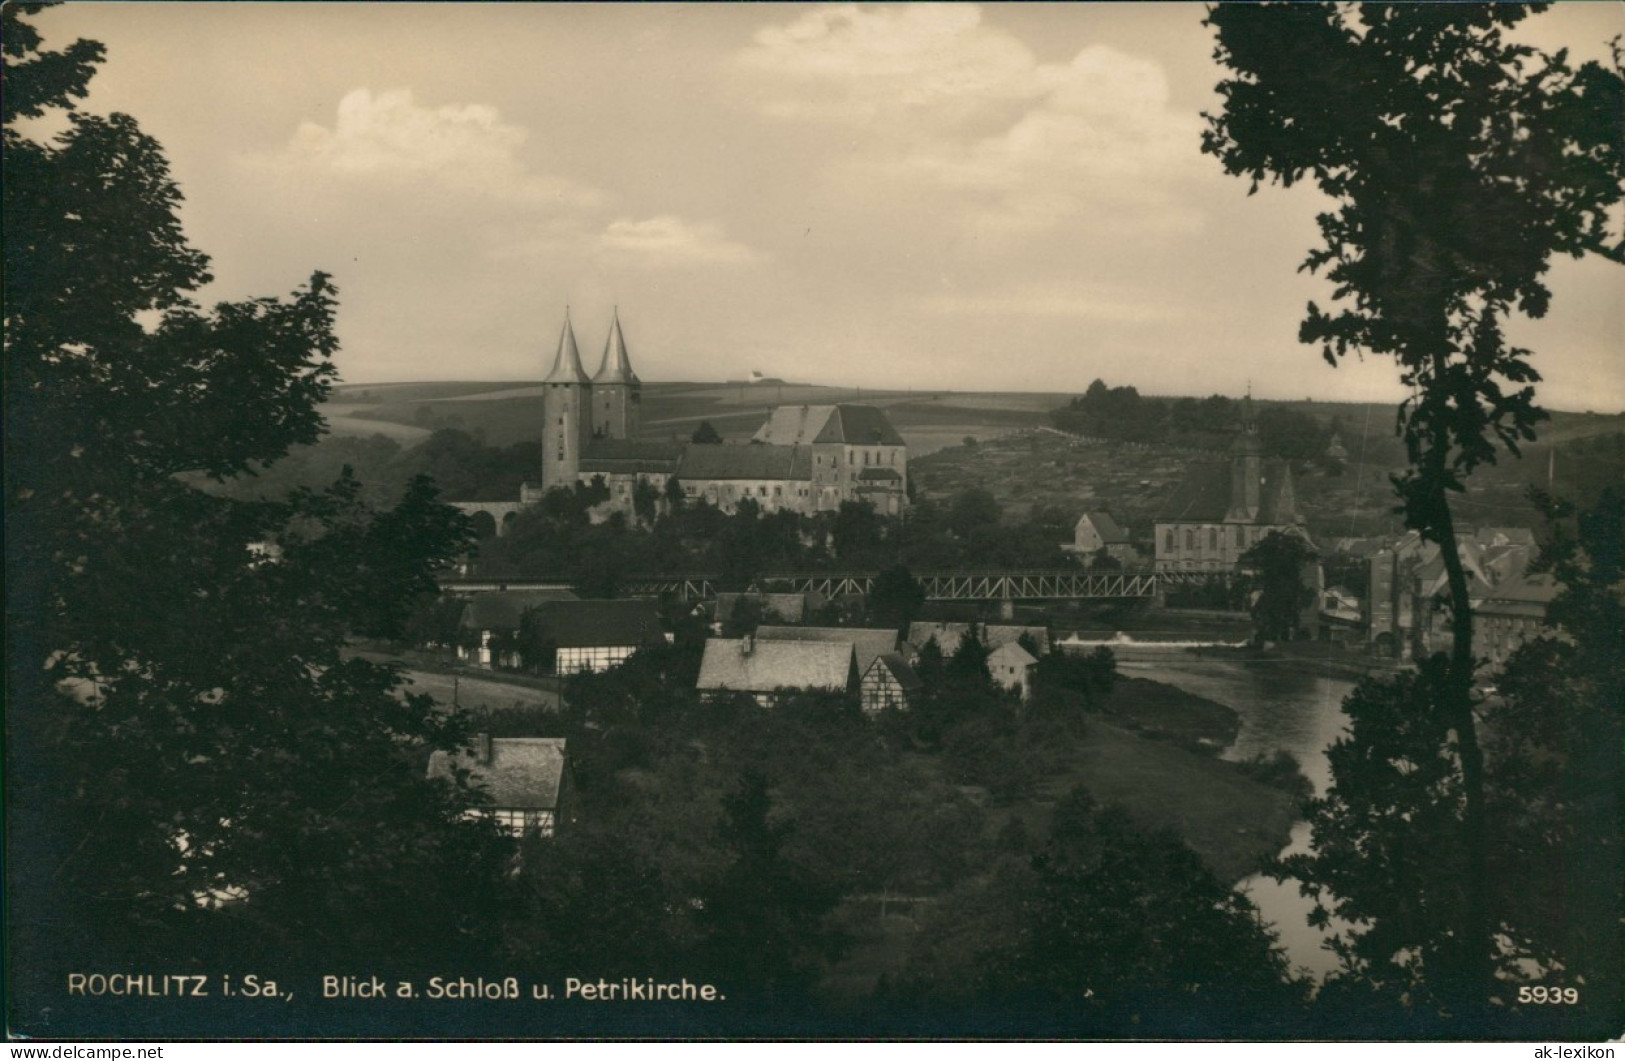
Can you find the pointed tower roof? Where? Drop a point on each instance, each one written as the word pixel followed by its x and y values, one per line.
pixel 617 366
pixel 567 365
pixel 1247 442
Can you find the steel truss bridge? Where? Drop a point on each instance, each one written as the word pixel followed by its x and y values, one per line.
pixel 938 586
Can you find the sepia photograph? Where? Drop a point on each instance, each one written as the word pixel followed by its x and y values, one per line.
pixel 1013 521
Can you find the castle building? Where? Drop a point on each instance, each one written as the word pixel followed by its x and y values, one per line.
pixel 806 458
pixel 1219 511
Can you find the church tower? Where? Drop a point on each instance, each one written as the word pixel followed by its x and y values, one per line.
pixel 616 390
pixel 566 413
pixel 1246 469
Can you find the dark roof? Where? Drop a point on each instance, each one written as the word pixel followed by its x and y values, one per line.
pixel 866 643
pixel 501 610
pixel 525 773
pixel 859 425
pixel 755 666
pixel 880 474
pixel 1106 527
pixel 1203 496
pixel 899 669
pixel 629 455
pixel 787 607
pixel 745 462
pixel 601 623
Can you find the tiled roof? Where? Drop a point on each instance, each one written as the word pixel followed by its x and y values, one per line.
pixel 879 475
pixel 756 666
pixel 601 623
pixel 854 425
pixel 745 462
pixel 1106 527
pixel 1010 654
pixel 899 669
pixel 629 455
pixel 1531 589
pixel 501 611
pixel 1203 496
pixel 866 643
pixel 525 773
pixel 859 425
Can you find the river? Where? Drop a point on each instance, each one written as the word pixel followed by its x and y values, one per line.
pixel 1281 707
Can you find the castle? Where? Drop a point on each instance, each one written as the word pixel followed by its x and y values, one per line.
pixel 805 458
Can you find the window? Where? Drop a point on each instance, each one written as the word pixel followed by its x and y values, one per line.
pixel 1190 541
pixel 1238 537
pixel 1213 538
pixel 1168 541
pixel 866 458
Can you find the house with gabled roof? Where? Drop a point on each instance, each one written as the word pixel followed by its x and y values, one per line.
pixel 1095 531
pixel 527 780
pixel 489 621
pixel 888 683
pixel 949 635
pixel 595 635
pixel 866 643
pixel 1012 668
pixel 770 670
pixel 1221 510
pixel 1511 613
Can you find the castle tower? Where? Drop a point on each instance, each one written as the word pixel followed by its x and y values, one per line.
pixel 566 413
pixel 1246 469
pixel 616 391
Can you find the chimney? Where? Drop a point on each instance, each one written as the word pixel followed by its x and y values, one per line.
pixel 482 748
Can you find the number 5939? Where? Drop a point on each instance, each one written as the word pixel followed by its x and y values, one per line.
pixel 1561 996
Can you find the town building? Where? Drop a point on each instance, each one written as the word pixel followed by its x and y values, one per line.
pixel 1221 510
pixel 889 683
pixel 770 670
pixel 595 635
pixel 1510 614
pixel 1012 668
pixel 526 778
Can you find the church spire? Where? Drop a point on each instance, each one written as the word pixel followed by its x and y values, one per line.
pixel 567 365
pixel 617 366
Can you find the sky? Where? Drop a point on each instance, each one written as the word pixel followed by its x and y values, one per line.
pixel 1004 197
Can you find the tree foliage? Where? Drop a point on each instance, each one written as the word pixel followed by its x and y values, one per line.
pixel 1277 564
pixel 199 767
pixel 1458 163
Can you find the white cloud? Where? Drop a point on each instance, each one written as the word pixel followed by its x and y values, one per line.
pixel 668 239
pixel 932 61
pixel 1093 138
pixel 467 147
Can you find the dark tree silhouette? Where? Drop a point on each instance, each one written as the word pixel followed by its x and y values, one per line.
pixel 197 769
pixel 705 435
pixel 896 598
pixel 1423 123
pixel 1277 563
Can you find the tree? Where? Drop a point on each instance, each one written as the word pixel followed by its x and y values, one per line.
pixel 1277 562
pixel 197 768
pixel 896 598
pixel 1421 122
pixel 705 435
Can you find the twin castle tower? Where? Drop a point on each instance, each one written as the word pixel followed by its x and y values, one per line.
pixel 577 409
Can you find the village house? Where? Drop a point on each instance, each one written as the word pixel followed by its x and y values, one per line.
pixel 1221 510
pixel 1012 668
pixel 752 609
pixel 770 670
pixel 526 778
pixel 889 683
pixel 866 644
pixel 490 624
pixel 595 635
pixel 1096 531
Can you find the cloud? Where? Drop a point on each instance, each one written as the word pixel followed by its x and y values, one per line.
pixel 467 147
pixel 935 61
pixel 668 239
pixel 952 105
